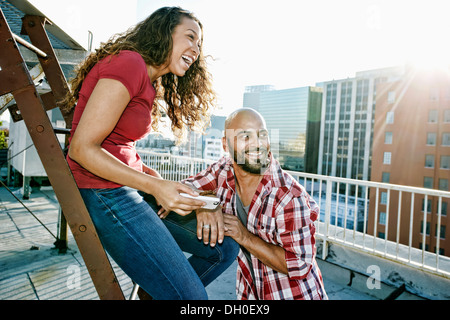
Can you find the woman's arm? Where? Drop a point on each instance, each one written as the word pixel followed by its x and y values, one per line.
pixel 102 112
pixel 150 171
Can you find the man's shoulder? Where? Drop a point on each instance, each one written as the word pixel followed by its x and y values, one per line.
pixel 223 163
pixel 285 182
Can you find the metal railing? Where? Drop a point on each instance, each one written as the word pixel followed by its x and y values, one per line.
pixel 381 219
pixel 354 221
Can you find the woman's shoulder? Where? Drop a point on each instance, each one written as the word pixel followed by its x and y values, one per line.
pixel 129 54
pixel 126 57
pixel 125 62
pixel 127 67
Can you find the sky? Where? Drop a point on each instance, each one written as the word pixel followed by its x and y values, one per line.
pixel 285 43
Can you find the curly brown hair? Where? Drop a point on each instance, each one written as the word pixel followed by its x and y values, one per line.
pixel 188 101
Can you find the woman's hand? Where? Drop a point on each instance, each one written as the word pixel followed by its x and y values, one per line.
pixel 168 196
pixel 210 226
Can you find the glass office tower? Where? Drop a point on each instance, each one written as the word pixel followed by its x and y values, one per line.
pixel 346 134
pixel 293 120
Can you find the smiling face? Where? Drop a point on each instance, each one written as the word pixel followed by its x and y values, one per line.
pixel 186 46
pixel 247 141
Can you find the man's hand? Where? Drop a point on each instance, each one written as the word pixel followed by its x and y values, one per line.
pixel 269 254
pixel 210 226
pixel 235 229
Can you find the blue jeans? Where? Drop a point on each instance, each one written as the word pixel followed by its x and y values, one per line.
pixel 150 250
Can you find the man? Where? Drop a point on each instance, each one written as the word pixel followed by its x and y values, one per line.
pixel 266 212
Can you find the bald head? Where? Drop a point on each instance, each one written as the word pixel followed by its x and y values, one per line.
pixel 242 117
pixel 247 140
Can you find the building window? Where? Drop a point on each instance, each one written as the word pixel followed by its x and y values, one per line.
pixel 431 138
pixel 382 219
pixel 444 208
pixel 427 230
pixel 447 115
pixel 386 177
pixel 433 116
pixel 428 182
pixel 388 138
pixel 442 233
pixel 428 205
pixel 390 117
pixel 387 158
pixel 429 161
pixel 391 96
pixel 446 139
pixel 383 198
pixel 443 184
pixel 445 162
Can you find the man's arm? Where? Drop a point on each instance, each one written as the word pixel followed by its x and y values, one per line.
pixel 269 254
pixel 294 252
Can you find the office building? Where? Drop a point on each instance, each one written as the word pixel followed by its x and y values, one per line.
pixel 293 120
pixel 412 147
pixel 207 145
pixel 346 131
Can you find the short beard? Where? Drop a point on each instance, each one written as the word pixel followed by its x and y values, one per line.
pixel 259 167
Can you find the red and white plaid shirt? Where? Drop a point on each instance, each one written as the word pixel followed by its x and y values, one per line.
pixel 281 213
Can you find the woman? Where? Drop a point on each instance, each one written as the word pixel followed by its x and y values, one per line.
pixel 115 90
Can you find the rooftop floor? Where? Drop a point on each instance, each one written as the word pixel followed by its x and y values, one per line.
pixel 32 269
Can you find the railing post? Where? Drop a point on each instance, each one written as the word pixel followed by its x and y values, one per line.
pixel 191 169
pixel 329 190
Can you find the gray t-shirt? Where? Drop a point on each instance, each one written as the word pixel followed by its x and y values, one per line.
pixel 242 213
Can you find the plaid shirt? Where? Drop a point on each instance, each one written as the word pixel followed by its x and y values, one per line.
pixel 281 213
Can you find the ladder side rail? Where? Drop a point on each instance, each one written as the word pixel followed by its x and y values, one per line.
pixel 34 28
pixel 15 79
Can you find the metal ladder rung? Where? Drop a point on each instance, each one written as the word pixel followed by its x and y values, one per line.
pixel 25 43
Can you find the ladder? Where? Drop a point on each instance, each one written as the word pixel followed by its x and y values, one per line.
pixel 16 81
